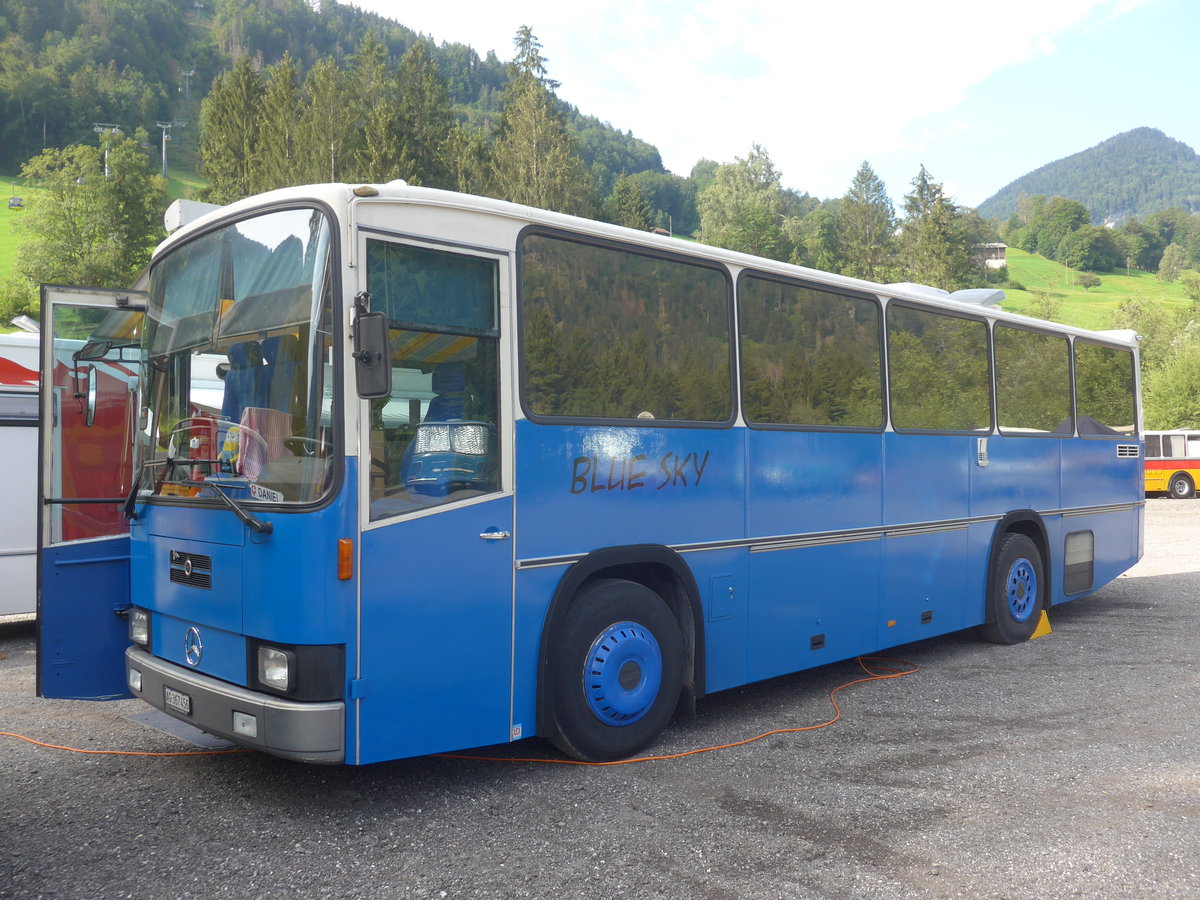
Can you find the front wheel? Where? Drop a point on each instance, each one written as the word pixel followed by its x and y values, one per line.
pixel 1016 587
pixel 615 672
pixel 1182 486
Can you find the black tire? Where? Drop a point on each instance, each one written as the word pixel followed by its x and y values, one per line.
pixel 1181 486
pixel 1016 591
pixel 615 671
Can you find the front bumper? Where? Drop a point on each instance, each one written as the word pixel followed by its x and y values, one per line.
pixel 309 732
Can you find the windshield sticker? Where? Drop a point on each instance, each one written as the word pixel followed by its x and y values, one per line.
pixel 258 492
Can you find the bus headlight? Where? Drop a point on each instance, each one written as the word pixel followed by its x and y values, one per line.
pixel 274 668
pixel 139 627
pixel 306 672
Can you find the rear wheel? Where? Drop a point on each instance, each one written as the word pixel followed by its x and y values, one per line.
pixel 1016 586
pixel 1182 486
pixel 615 671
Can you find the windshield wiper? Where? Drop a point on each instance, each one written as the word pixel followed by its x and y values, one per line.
pixel 258 526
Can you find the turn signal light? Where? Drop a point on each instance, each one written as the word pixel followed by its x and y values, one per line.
pixel 345 559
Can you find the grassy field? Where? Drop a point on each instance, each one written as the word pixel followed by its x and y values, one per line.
pixel 8 234
pixel 1087 309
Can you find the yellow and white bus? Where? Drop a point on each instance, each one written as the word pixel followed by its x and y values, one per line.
pixel 1172 463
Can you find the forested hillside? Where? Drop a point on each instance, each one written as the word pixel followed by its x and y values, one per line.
pixel 1131 175
pixel 68 65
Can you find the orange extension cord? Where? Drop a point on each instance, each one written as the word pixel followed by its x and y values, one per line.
pixel 884 669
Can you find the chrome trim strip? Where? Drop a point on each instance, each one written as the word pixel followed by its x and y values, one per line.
pixel 831 538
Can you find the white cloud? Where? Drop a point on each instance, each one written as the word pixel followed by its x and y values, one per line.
pixel 821 85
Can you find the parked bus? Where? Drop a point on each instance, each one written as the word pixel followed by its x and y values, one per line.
pixel 481 472
pixel 1172 463
pixel 19 450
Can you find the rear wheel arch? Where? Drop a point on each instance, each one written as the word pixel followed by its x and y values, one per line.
pixel 653 566
pixel 1030 524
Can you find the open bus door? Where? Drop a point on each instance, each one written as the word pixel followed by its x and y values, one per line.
pixel 90 367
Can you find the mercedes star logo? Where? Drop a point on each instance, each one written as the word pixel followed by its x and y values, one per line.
pixel 193 647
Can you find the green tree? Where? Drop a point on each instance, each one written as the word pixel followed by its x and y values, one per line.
pixel 1154 322
pixel 328 126
pixel 1044 305
pixel 1132 244
pixel 1172 390
pixel 533 158
pixel 816 240
pixel 934 240
pixel 1190 280
pixel 866 228
pixel 742 208
pixel 275 159
pixel 1087 281
pixel 84 228
pixel 1174 260
pixel 376 105
pixel 628 206
pixel 229 133
pixel 425 120
pixel 1090 247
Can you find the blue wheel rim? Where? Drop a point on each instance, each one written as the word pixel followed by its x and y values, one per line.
pixel 622 673
pixel 1022 590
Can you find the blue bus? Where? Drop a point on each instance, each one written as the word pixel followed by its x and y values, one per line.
pixel 475 472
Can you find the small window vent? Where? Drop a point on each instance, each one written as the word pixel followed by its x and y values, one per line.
pixel 1128 451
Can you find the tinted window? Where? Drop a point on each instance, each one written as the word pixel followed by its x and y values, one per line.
pixel 938 371
pixel 1104 389
pixel 616 334
pixel 1033 382
pixel 809 357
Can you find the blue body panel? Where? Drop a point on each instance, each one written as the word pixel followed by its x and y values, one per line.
pixel 281 587
pixel 583 488
pixel 437 632
pixel 82 642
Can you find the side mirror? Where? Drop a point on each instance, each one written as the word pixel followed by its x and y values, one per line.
pixel 95 350
pixel 91 396
pixel 373 355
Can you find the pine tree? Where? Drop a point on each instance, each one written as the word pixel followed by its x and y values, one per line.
pixel 425 119
pixel 278 121
pixel 866 227
pixel 628 206
pixel 376 106
pixel 229 133
pixel 533 158
pixel 934 238
pixel 327 127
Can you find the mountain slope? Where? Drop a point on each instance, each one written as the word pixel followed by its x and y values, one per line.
pixel 1127 176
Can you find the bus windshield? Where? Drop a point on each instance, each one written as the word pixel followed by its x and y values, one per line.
pixel 238 342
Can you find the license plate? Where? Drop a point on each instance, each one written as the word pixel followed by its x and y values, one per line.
pixel 177 700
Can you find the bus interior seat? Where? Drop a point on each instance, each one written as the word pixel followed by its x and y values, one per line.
pixel 242 379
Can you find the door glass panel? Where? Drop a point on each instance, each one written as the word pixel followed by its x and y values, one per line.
pixel 92 382
pixel 434 440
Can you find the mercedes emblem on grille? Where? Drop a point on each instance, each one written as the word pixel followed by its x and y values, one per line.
pixel 193 647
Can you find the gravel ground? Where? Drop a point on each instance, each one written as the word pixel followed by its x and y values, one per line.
pixel 1066 767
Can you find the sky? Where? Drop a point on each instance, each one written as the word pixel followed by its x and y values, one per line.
pixel 978 93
